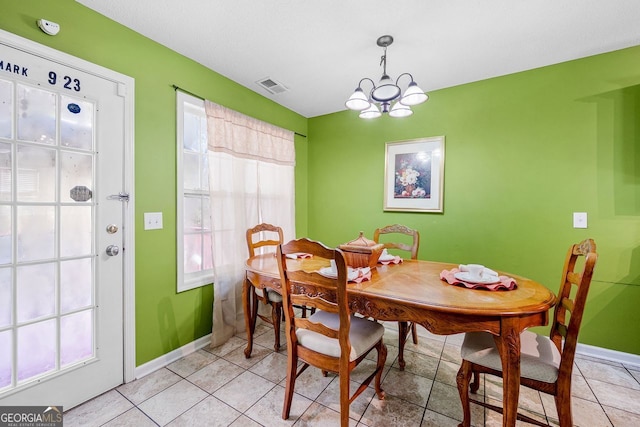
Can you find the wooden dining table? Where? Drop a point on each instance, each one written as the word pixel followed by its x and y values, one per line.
pixel 412 291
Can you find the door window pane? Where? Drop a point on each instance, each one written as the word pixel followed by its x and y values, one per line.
pixel 5 172
pixel 5 358
pixel 76 332
pixel 75 230
pixel 6 109
pixel 75 284
pixel 76 170
pixel 35 232
pixel 36 115
pixel 6 301
pixel 36 174
pixel 76 123
pixel 36 291
pixel 6 249
pixel 36 349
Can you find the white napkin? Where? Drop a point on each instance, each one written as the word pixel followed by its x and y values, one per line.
pixel 385 256
pixel 486 272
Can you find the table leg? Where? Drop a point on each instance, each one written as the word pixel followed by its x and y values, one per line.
pixel 248 322
pixel 403 330
pixel 508 344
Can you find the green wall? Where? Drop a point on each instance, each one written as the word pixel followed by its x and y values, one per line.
pixel 522 153
pixel 165 320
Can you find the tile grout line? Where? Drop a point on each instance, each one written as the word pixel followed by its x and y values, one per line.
pixel 442 353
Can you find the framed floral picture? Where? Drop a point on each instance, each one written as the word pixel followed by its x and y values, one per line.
pixel 414 175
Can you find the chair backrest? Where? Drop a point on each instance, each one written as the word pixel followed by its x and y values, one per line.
pixel 310 289
pixel 567 314
pixel 399 229
pixel 265 230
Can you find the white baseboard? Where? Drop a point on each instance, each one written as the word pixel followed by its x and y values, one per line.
pixel 166 359
pixel 172 356
pixel 628 359
pixel 610 355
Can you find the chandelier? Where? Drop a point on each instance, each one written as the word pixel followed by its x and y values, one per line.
pixel 386 92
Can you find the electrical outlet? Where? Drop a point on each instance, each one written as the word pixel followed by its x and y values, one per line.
pixel 152 220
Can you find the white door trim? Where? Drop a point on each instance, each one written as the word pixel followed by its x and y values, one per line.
pixel 126 89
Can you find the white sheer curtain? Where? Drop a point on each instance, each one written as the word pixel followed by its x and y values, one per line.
pixel 251 175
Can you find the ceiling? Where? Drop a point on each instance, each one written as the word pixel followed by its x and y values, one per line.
pixel 319 50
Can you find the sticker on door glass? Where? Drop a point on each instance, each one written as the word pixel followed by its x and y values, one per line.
pixel 80 193
pixel 74 108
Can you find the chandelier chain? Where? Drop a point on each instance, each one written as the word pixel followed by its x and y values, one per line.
pixel 383 61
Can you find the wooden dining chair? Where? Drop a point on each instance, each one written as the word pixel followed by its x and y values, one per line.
pixel 404 328
pixel 331 339
pixel 269 237
pixel 546 364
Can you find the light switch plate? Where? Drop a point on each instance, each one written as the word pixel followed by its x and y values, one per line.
pixel 579 220
pixel 152 220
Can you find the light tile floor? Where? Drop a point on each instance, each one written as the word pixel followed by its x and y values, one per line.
pixel 220 387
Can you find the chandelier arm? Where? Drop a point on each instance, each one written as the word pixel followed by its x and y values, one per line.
pixel 366 78
pixel 404 74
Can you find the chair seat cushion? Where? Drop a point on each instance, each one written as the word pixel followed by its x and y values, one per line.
pixel 273 295
pixel 363 335
pixel 539 359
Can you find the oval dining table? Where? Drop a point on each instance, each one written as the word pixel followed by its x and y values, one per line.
pixel 412 291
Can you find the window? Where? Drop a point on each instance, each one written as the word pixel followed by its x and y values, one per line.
pixel 195 261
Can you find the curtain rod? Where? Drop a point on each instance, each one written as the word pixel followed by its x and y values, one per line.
pixel 199 97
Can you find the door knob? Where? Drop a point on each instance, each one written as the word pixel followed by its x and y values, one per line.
pixel 112 250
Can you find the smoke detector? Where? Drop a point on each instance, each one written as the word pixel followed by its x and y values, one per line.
pixel 48 27
pixel 272 86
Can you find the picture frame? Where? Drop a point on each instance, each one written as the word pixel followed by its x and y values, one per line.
pixel 414 175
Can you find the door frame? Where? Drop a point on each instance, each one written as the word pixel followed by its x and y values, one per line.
pixel 126 89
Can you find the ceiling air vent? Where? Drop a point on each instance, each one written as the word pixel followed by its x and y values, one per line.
pixel 272 86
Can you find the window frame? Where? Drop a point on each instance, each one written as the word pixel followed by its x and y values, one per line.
pixel 186 281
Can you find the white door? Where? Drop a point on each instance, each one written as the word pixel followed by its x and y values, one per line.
pixel 62 150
